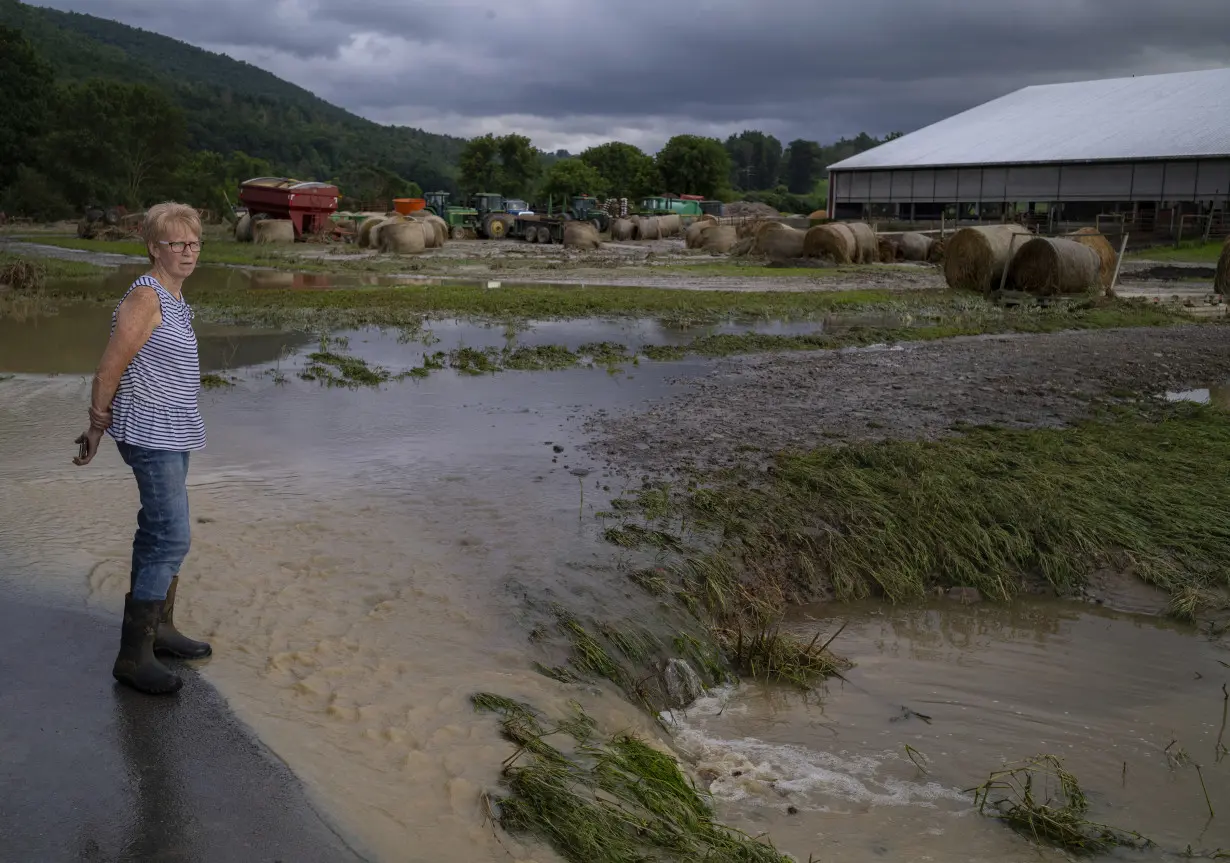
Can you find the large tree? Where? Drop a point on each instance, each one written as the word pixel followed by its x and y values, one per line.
pixel 630 173
pixel 569 177
pixel 692 165
pixel 755 160
pixel 25 82
pixel 508 165
pixel 804 165
pixel 116 143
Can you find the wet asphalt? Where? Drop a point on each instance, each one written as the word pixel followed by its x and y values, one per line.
pixel 92 771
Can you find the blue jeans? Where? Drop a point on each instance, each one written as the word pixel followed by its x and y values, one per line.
pixel 164 530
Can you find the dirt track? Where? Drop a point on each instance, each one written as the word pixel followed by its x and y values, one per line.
pixel 921 390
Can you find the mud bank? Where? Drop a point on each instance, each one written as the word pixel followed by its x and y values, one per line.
pixel 759 405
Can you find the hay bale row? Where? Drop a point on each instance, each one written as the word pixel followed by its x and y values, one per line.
pixel 581 235
pixel 1221 279
pixel 273 231
pixel 974 258
pixel 865 241
pixel 1046 266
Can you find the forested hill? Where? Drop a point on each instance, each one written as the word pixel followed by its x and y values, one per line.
pixel 232 106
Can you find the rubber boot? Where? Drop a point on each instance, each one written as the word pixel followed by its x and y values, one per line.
pixel 136 665
pixel 170 641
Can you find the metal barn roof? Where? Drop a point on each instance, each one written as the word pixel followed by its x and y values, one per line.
pixel 1178 115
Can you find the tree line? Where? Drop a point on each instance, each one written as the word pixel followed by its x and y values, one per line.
pixel 752 165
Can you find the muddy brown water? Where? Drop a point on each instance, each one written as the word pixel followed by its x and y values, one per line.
pixel 365 560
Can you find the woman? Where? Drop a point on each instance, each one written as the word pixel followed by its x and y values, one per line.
pixel 145 396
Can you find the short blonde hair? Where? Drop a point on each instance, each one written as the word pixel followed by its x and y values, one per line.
pixel 160 218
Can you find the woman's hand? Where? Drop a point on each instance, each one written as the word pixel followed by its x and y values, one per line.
pixel 88 442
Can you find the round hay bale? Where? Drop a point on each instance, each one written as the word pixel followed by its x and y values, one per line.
pixel 1046 266
pixel 706 217
pixel 914 246
pixel 669 226
pixel 818 214
pixel 402 237
pixel 243 229
pixel 621 230
pixel 834 241
pixel 974 258
pixel 648 229
pixel 750 227
pixel 365 231
pixel 693 237
pixel 935 252
pixel 719 239
pixel 1092 238
pixel 865 240
pixel 581 235
pixel 780 243
pixel 889 250
pixel 273 231
pixel 1221 279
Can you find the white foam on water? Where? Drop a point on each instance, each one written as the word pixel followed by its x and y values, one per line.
pixel 754 772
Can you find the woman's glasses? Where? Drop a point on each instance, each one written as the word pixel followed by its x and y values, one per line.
pixel 178 246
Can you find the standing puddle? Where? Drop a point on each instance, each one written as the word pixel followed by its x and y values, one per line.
pixel 995 684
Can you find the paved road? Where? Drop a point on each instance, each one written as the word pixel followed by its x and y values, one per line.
pixel 91 771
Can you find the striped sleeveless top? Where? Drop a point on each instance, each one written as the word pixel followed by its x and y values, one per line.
pixel 155 405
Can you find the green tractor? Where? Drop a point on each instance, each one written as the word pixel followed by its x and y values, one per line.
pixel 586 209
pixel 460 220
pixel 494 220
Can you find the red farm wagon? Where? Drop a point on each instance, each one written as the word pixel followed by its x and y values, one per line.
pixel 307 205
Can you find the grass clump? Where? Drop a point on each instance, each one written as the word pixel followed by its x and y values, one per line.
pixel 989 509
pixel 617 800
pixel 1195 252
pixel 211 381
pixel 539 358
pixel 23 272
pixel 1044 802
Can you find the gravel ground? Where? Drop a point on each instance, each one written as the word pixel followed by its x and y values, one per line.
pixel 912 391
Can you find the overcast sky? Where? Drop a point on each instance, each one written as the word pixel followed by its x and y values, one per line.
pixel 572 73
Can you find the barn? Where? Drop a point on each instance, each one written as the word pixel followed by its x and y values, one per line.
pixel 1151 151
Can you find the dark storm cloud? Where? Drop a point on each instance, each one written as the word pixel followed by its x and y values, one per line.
pixel 572 73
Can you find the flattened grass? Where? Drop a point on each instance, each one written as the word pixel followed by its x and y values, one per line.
pixel 990 509
pixel 616 800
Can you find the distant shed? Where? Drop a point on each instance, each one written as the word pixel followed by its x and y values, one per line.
pixel 1143 146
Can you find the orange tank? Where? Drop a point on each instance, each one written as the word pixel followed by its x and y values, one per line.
pixel 408 205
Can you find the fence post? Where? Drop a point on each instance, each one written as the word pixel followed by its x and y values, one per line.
pixel 1114 280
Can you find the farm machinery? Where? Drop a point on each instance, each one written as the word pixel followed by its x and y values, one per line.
pixel 309 206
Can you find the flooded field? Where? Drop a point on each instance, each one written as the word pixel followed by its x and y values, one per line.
pixel 364 560
pixel 969 688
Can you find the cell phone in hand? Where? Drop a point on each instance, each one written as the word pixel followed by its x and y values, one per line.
pixel 83 448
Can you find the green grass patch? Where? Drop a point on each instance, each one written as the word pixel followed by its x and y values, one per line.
pixel 990 509
pixel 48 268
pixel 612 800
pixel 1190 252
pixel 211 381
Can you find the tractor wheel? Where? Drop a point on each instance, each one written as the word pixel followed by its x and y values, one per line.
pixel 531 234
pixel 597 223
pixel 111 216
pixel 457 233
pixel 544 234
pixel 496 229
